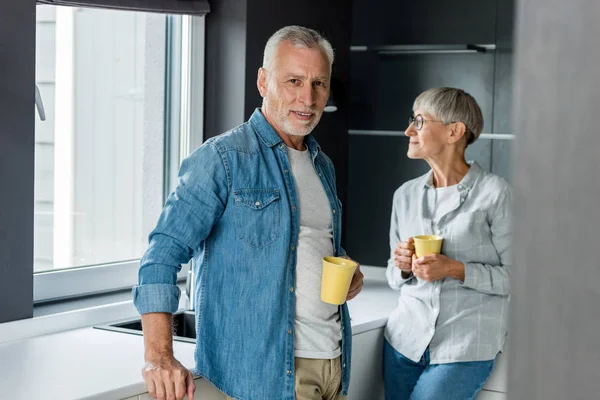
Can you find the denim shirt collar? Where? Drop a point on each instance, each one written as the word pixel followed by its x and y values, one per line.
pixel 270 138
pixel 464 185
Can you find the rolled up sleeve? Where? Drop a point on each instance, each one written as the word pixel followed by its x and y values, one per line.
pixel 186 220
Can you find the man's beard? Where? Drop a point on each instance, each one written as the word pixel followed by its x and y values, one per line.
pixel 294 130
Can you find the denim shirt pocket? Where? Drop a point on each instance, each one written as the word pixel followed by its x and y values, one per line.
pixel 257 217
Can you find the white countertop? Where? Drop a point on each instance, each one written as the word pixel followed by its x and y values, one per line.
pixel 96 364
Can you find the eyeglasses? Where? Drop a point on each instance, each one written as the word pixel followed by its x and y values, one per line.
pixel 418 120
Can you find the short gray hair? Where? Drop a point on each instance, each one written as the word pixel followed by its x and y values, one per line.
pixel 452 105
pixel 299 36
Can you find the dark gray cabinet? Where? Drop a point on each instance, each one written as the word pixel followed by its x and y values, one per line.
pixel 384 87
pixel 381 22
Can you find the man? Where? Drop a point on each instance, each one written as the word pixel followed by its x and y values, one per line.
pixel 256 208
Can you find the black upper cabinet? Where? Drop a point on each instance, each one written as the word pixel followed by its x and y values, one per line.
pixel 385 87
pixel 381 22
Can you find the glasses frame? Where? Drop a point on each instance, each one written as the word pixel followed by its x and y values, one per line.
pixel 414 119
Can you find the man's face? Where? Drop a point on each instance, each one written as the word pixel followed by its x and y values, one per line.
pixel 295 91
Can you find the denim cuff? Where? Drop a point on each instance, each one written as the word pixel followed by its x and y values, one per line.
pixel 159 297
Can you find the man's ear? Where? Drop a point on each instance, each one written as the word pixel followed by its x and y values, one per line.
pixel 457 131
pixel 261 82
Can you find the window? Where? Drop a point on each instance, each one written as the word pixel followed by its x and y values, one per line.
pixel 115 87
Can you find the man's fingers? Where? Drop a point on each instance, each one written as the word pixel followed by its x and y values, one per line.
pixel 180 387
pixel 191 386
pixel 150 386
pixel 159 389
pixel 357 279
pixel 355 286
pixel 170 390
pixel 357 282
pixel 353 293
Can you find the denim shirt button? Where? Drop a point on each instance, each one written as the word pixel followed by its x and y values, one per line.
pixel 293 248
pixel 289 331
pixel 286 171
pixel 334 211
pixel 289 372
pixel 291 289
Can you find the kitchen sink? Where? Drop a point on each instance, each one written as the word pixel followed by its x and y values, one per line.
pixel 184 327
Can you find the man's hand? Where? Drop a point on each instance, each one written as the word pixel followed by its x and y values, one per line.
pixel 435 267
pixel 357 281
pixel 403 255
pixel 167 379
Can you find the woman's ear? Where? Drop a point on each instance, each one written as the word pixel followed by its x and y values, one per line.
pixel 457 131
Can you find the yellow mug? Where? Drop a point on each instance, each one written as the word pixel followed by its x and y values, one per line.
pixel 336 279
pixel 427 244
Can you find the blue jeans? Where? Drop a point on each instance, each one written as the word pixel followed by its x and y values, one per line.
pixel 407 380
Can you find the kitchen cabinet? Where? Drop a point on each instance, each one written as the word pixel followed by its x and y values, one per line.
pixel 498 381
pixel 204 391
pixel 487 395
pixel 366 381
pixel 412 22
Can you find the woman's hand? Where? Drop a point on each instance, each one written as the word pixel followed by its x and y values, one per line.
pixel 436 267
pixel 403 255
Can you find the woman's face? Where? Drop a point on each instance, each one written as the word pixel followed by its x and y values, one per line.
pixel 428 141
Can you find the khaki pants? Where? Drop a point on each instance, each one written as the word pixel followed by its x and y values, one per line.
pixel 318 379
pixel 315 380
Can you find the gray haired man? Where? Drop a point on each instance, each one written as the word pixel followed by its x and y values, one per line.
pixel 257 210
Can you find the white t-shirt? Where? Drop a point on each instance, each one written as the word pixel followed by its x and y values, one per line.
pixel 442 200
pixel 317 324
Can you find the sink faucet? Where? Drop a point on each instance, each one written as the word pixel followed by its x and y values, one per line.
pixel 189 286
pixel 39 104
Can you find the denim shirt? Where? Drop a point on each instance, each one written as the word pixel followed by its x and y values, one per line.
pixel 234 212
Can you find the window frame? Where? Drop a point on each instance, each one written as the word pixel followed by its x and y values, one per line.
pixel 187 7
pixel 65 283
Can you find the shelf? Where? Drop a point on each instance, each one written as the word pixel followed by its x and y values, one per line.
pixel 425 49
pixel 491 136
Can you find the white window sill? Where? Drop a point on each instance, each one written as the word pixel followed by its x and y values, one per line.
pixel 73 314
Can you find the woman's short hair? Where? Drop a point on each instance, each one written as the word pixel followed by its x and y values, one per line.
pixel 452 105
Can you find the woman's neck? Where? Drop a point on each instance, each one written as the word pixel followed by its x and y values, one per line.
pixel 448 172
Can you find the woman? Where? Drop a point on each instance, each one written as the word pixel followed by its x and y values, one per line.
pixel 451 318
